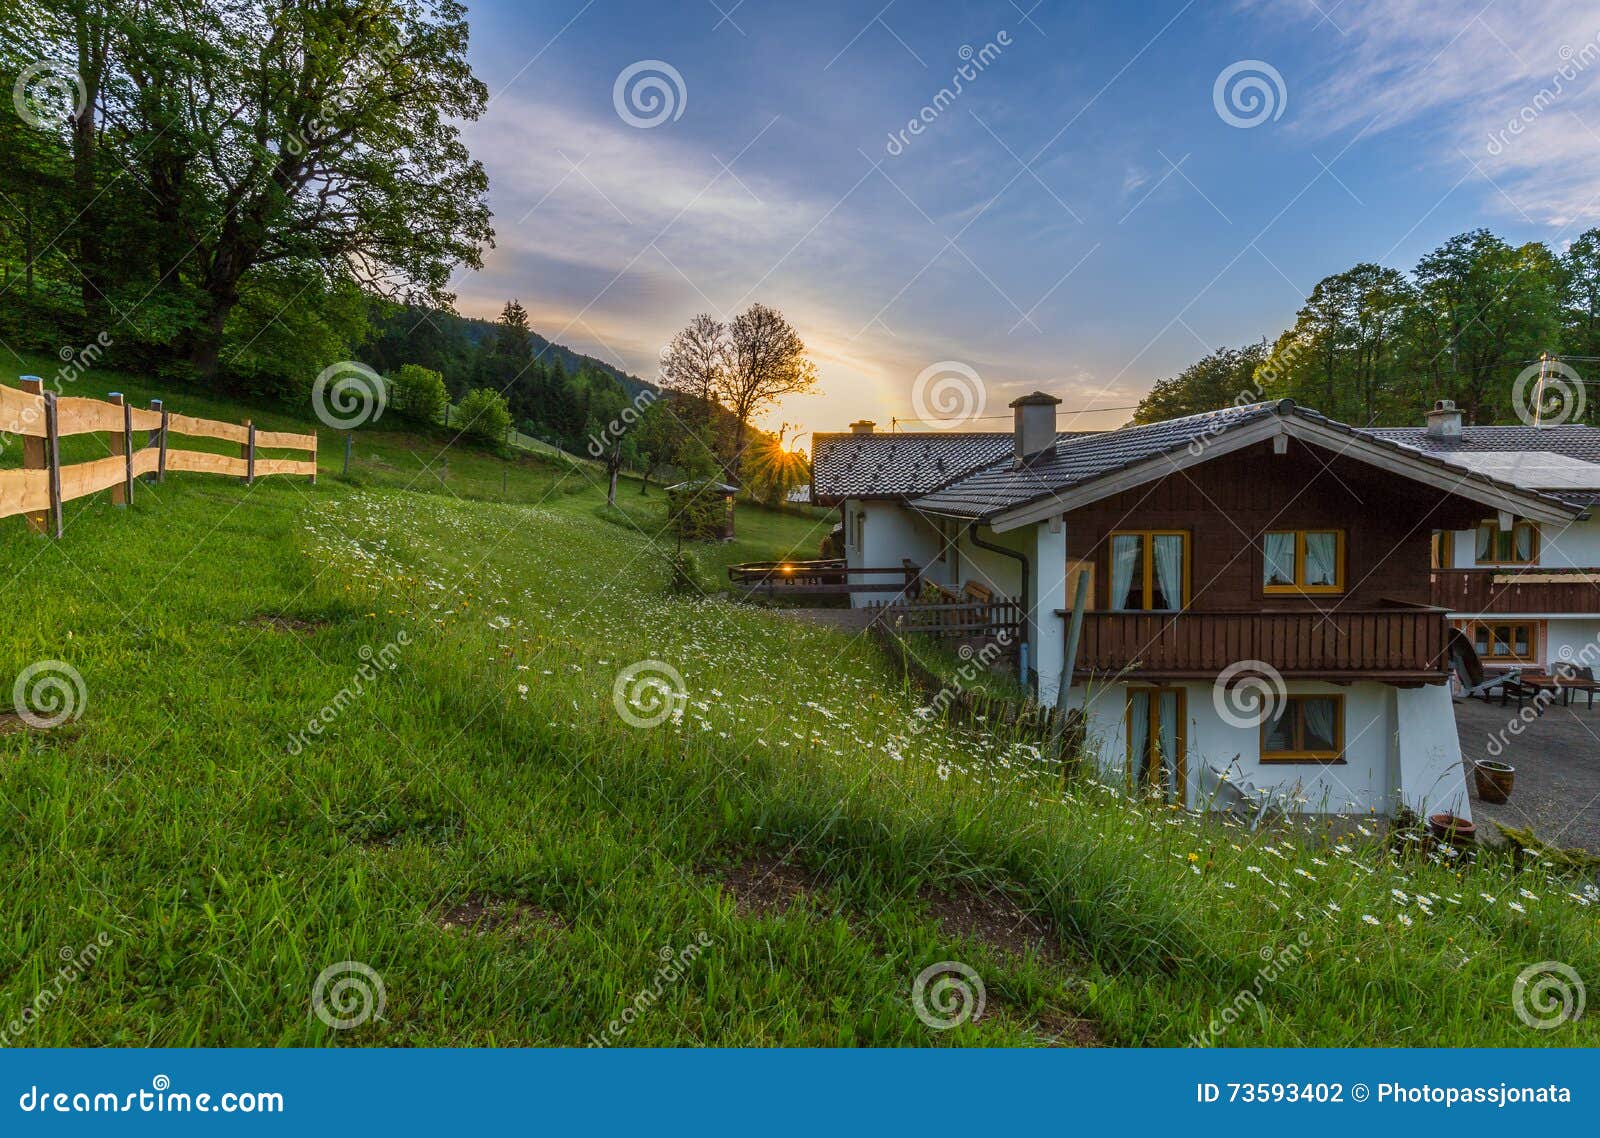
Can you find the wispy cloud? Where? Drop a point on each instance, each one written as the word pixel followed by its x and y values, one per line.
pixel 1459 75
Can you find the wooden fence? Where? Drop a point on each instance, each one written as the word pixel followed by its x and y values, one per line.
pixel 42 419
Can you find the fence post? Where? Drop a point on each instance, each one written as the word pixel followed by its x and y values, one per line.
pixel 346 469
pixel 313 458
pixel 157 438
pixel 122 443
pixel 34 452
pixel 52 455
pixel 161 459
pixel 249 454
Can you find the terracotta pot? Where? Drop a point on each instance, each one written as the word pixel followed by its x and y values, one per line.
pixel 1494 780
pixel 1453 831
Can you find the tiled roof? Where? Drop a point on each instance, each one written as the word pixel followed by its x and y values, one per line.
pixel 1570 440
pixel 902 465
pixel 998 487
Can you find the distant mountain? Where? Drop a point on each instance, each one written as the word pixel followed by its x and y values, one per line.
pixel 477 330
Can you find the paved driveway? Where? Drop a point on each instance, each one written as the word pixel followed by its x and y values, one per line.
pixel 1557 757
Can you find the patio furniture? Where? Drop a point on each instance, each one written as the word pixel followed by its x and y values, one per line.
pixel 1574 679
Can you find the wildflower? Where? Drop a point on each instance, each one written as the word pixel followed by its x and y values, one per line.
pixel 1369 918
pixel 1194 857
pixel 1516 906
pixel 1399 895
pixel 1405 920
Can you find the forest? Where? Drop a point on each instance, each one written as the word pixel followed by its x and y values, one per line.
pixel 1376 346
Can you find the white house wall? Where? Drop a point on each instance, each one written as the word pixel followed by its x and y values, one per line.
pixel 1574 546
pixel 1382 724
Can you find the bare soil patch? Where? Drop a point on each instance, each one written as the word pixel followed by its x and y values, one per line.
pixel 286 623
pixel 1058 1029
pixel 766 884
pixel 11 722
pixel 993 917
pixel 484 914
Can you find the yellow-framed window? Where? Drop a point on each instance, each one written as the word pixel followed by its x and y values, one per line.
pixel 1304 729
pixel 1518 545
pixel 1444 549
pixel 1157 736
pixel 1302 561
pixel 1149 570
pixel 1515 641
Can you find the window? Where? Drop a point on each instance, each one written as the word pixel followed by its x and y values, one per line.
pixel 1155 722
pixel 1305 728
pixel 1302 561
pixel 1507 640
pixel 1444 549
pixel 1518 545
pixel 1149 570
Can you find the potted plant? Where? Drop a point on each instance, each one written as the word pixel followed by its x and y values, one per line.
pixel 1494 779
pixel 1452 831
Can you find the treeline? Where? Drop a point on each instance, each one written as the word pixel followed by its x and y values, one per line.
pixel 1377 346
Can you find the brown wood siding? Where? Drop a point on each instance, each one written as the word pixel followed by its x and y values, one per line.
pixel 1226 504
pixel 1505 590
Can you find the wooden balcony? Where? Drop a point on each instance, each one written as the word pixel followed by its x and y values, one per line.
pixel 1401 644
pixel 1506 590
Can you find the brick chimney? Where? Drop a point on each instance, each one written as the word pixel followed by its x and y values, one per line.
pixel 1444 421
pixel 862 427
pixel 1035 428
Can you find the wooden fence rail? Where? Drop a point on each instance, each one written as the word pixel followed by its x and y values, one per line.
pixel 41 419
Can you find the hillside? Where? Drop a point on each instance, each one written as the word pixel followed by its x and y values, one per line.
pixel 450 725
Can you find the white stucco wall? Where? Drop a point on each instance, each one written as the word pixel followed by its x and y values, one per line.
pixel 1400 746
pixel 1573 546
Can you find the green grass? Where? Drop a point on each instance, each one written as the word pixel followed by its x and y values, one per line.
pixel 225 853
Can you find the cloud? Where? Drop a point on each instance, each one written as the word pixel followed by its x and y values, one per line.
pixel 1458 75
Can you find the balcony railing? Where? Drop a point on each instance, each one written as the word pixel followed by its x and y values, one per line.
pixel 1517 590
pixel 1402 644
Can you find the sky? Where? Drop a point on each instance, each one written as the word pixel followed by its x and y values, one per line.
pixel 1102 193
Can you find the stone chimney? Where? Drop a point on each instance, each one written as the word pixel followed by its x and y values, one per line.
pixel 862 427
pixel 1035 428
pixel 1444 421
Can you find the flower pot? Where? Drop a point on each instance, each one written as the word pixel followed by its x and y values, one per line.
pixel 1452 831
pixel 1494 780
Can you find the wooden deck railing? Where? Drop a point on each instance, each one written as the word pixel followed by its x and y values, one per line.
pixel 820 578
pixel 1517 590
pixel 42 419
pixel 1399 643
pixel 1000 618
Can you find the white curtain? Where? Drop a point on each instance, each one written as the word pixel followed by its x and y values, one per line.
pixel 1169 741
pixel 1138 737
pixel 1168 551
pixel 1320 733
pixel 1278 557
pixel 1125 554
pixel 1322 559
pixel 1486 543
pixel 1524 540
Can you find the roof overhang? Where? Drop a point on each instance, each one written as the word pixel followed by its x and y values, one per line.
pixel 1380 453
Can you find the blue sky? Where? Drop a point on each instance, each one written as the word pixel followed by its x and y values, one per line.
pixel 1081 217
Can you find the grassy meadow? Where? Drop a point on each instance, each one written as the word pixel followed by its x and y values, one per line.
pixel 452 725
